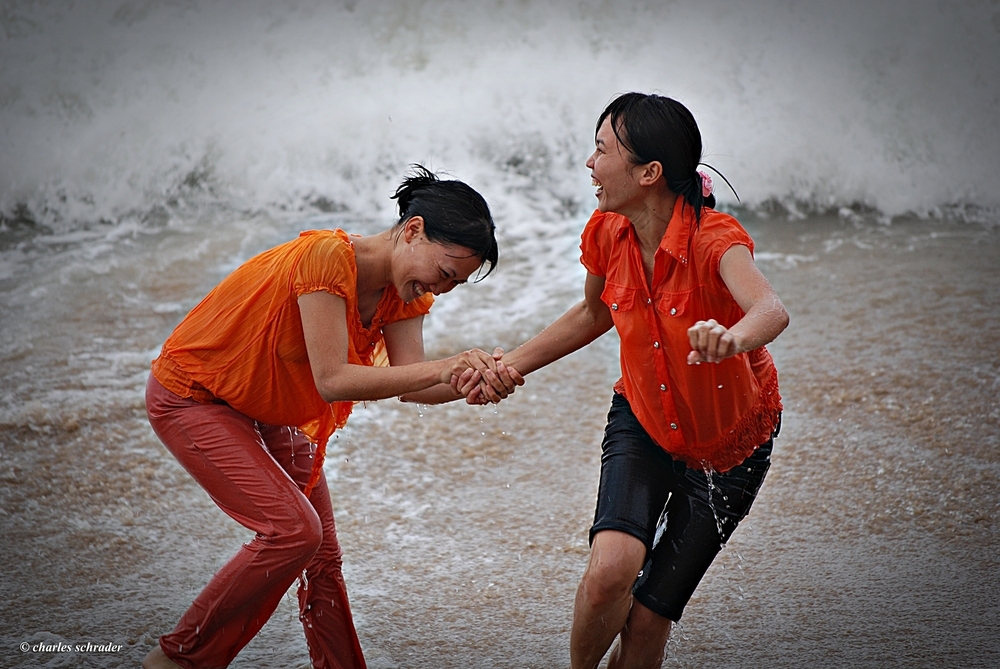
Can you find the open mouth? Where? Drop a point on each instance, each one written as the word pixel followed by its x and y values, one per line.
pixel 597 185
pixel 418 289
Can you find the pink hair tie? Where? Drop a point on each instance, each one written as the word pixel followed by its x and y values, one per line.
pixel 707 187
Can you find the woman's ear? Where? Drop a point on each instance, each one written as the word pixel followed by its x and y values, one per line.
pixel 651 173
pixel 413 228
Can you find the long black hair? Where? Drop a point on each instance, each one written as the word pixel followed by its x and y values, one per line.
pixel 653 127
pixel 453 213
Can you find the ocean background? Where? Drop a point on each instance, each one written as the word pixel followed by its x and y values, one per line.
pixel 147 148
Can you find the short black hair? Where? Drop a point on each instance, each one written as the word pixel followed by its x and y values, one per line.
pixel 453 213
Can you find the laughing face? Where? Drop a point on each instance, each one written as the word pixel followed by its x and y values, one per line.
pixel 611 171
pixel 421 266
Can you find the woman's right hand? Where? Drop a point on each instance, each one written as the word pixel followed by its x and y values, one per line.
pixel 474 359
pixel 491 385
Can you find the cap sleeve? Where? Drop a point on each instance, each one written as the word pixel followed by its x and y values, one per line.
pixel 595 244
pixel 724 233
pixel 326 264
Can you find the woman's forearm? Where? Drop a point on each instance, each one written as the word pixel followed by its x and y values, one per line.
pixel 572 331
pixel 761 325
pixel 347 382
pixel 438 394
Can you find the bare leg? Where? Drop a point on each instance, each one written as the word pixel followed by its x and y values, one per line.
pixel 642 642
pixel 156 659
pixel 604 597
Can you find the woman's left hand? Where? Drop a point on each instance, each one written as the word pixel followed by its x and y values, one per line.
pixel 487 386
pixel 710 342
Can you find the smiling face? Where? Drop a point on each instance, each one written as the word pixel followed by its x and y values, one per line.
pixel 421 266
pixel 612 172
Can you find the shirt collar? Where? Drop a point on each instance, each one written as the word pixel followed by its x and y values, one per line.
pixel 677 239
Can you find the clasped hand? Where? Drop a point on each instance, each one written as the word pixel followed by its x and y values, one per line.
pixel 486 379
pixel 710 342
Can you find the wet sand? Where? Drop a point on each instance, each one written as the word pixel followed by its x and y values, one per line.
pixel 874 541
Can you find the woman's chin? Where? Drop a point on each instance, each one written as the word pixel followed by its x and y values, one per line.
pixel 409 293
pixel 602 203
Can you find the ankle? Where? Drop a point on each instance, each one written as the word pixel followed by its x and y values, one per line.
pixel 157 659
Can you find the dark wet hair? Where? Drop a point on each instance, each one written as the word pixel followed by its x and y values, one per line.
pixel 653 127
pixel 453 213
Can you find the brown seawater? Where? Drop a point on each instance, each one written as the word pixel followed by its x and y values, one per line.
pixel 873 542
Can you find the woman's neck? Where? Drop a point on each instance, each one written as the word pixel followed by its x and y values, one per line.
pixel 650 217
pixel 373 257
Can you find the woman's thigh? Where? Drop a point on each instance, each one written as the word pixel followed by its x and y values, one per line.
pixel 703 511
pixel 225 453
pixel 637 477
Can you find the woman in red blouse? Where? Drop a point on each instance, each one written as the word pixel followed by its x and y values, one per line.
pixel 692 420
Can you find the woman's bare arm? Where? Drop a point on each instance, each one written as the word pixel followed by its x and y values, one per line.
pixel 764 314
pixel 580 325
pixel 324 324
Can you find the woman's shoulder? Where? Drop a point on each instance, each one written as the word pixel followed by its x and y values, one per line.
pixel 712 236
pixel 713 218
pixel 333 239
pixel 603 227
pixel 326 245
pixel 720 227
pixel 325 259
pixel 597 243
pixel 608 220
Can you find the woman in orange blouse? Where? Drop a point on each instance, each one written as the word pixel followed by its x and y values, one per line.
pixel 690 429
pixel 251 384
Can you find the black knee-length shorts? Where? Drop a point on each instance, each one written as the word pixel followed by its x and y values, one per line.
pixel 665 504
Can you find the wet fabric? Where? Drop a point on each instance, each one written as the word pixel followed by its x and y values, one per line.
pixel 683 535
pixel 243 342
pixel 704 415
pixel 256 473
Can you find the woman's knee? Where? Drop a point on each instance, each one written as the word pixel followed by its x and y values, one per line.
pixel 607 584
pixel 301 532
pixel 615 561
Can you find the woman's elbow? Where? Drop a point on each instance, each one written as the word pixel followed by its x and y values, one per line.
pixel 774 319
pixel 329 396
pixel 783 318
pixel 330 390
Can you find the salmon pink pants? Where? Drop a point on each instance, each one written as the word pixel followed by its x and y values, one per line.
pixel 256 474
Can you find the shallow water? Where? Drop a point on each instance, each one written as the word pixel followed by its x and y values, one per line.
pixel 873 542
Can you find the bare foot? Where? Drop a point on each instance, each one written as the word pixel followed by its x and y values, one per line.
pixel 157 659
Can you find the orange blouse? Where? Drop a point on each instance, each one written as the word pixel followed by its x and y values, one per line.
pixel 707 415
pixel 243 344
